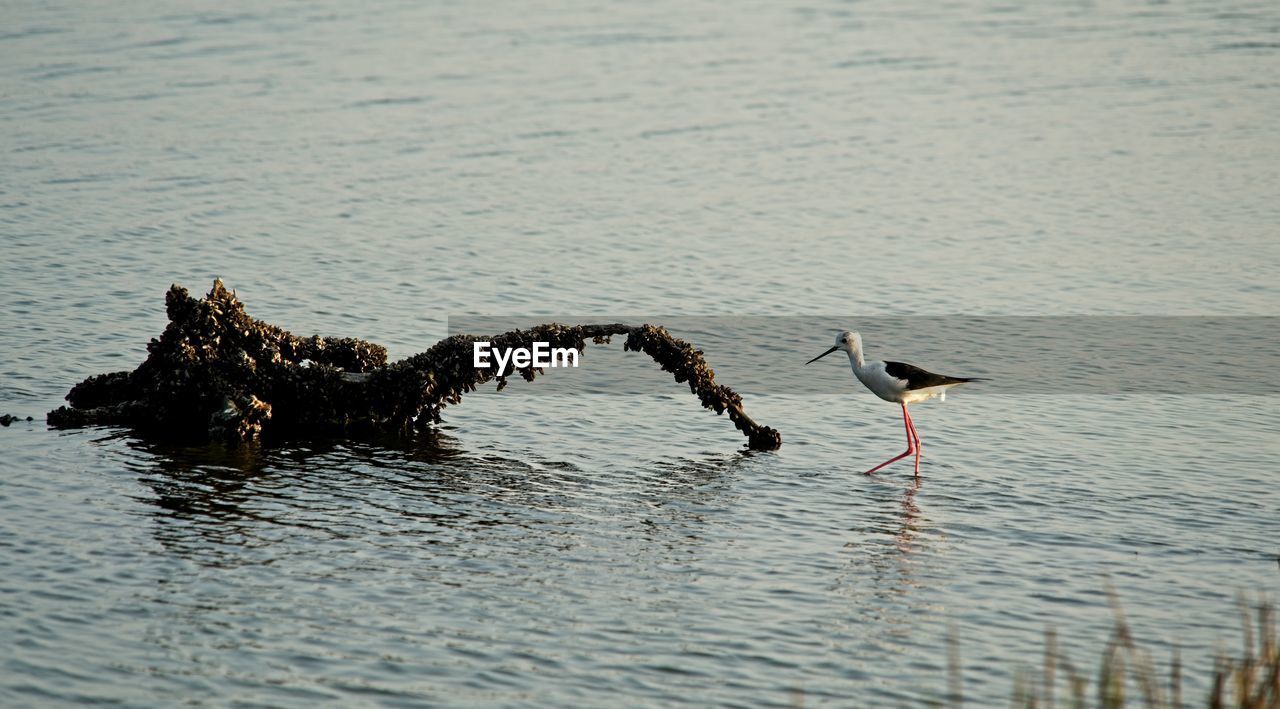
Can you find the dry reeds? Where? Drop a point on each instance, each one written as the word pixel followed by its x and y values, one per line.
pixel 1249 681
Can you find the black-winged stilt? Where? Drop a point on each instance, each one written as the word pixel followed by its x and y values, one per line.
pixel 897 382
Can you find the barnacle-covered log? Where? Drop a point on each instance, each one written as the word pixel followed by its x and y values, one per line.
pixel 217 373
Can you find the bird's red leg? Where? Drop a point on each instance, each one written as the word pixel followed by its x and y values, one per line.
pixel 906 423
pixel 912 426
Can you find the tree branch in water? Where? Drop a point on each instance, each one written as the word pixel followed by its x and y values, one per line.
pixel 217 373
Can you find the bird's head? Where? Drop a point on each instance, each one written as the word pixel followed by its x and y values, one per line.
pixel 847 341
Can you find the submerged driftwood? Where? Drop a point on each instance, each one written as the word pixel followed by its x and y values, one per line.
pixel 217 373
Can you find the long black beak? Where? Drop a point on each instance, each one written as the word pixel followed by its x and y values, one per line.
pixel 824 354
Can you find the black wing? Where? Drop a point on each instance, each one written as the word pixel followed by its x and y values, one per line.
pixel 918 378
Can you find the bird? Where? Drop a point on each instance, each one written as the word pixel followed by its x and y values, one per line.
pixel 897 382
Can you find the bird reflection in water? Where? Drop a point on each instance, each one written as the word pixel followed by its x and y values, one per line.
pixel 904 539
pixel 888 567
pixel 886 560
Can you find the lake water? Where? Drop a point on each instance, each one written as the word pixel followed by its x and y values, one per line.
pixel 377 172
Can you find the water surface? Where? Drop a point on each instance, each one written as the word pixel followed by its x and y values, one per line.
pixel 374 172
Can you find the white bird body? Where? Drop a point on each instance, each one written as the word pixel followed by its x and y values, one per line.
pixel 890 388
pixel 896 382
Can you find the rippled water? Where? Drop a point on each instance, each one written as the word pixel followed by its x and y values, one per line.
pixel 374 172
